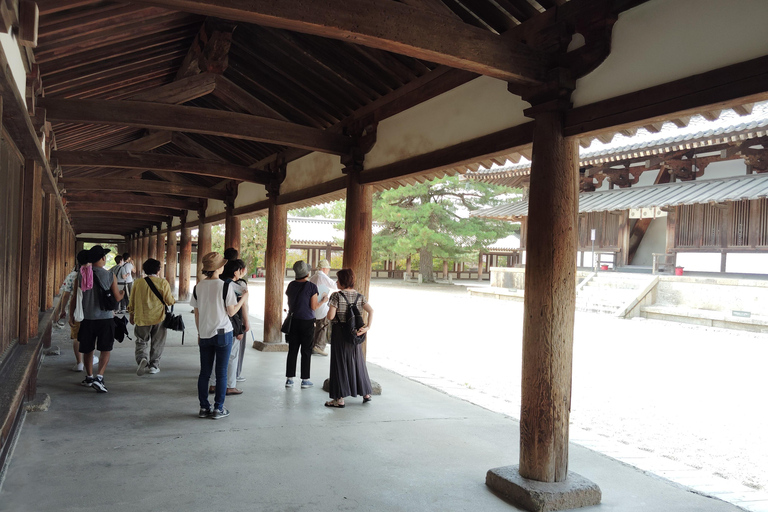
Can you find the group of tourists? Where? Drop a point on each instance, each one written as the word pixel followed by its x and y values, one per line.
pixel 318 308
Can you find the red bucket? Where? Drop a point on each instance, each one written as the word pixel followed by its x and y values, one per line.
pixel 603 267
pixel 678 271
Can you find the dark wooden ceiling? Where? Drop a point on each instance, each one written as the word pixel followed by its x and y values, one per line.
pixel 117 50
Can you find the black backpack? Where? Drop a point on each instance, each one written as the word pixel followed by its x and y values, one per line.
pixel 238 327
pixel 107 301
pixel 354 320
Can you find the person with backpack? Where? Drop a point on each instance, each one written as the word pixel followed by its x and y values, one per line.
pixel 212 311
pixel 232 276
pixel 302 302
pixel 97 329
pixel 348 374
pixel 146 308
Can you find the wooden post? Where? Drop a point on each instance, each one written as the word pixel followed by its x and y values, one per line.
pixel 185 258
pixel 671 234
pixel 231 223
pixel 358 227
pixel 48 253
pixel 550 287
pixel 624 232
pixel 152 240
pixel 480 266
pixel 445 269
pixel 274 263
pixel 31 217
pixel 203 241
pixel 170 257
pixel 160 246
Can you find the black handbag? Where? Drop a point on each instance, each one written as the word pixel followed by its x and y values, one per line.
pixel 286 328
pixel 171 321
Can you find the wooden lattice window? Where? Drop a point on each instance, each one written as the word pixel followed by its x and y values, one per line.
pixel 738 231
pixel 762 223
pixel 698 225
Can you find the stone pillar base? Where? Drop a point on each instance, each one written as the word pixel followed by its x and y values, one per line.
pixel 575 492
pixel 270 347
pixel 375 385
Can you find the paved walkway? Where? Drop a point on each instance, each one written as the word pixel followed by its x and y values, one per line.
pixel 141 446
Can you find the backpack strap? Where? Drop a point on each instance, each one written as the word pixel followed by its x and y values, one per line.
pixel 155 291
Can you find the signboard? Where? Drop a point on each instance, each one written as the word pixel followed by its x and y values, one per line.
pixel 742 314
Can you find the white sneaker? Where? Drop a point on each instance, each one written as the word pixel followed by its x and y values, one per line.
pixel 142 369
pixel 78 367
pixel 154 369
pixel 95 360
pixel 241 379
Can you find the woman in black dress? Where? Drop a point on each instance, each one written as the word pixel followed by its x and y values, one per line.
pixel 349 376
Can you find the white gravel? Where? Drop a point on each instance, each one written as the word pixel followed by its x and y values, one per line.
pixel 690 394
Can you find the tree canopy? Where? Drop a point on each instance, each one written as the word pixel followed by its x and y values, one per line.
pixel 432 219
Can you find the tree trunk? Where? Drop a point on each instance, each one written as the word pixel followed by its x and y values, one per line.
pixel 425 265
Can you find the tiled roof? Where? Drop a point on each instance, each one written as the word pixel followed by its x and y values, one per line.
pixel 670 194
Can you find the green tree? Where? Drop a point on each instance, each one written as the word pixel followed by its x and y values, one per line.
pixel 253 241
pixel 432 219
pixel 332 210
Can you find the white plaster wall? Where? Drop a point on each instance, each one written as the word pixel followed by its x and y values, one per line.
pixel 215 206
pixel 647 178
pixel 699 261
pixel 248 193
pixel 728 169
pixel 665 40
pixel 476 108
pixel 310 170
pixel 15 62
pixel 746 263
pixel 654 241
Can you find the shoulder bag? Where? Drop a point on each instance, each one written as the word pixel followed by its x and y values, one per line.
pixel 171 321
pixel 286 328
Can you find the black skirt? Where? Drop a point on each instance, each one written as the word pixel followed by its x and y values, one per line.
pixel 349 376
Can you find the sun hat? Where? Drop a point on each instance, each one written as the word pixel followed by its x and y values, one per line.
pixel 96 252
pixel 213 261
pixel 323 264
pixel 301 269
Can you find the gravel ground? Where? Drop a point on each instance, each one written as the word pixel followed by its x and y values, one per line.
pixel 691 394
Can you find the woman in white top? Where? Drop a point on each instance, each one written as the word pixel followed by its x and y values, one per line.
pixel 212 312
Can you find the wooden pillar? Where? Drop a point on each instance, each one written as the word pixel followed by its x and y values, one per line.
pixel 671 232
pixel 203 241
pixel 185 258
pixel 31 223
pixel 445 269
pixel 160 247
pixel 170 257
pixel 152 241
pixel 144 251
pixel 48 253
pixel 231 223
pixel 328 253
pixel 550 287
pixel 274 263
pixel 358 228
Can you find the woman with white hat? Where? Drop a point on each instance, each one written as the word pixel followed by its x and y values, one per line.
pixel 214 328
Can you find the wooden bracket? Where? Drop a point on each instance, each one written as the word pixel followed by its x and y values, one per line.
pixel 279 169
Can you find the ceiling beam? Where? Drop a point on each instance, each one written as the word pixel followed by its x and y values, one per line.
pixel 195 120
pixel 158 162
pixel 180 91
pixel 127 209
pixel 129 198
pixel 386 25
pixel 148 186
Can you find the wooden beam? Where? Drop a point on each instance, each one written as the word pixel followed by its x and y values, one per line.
pixel 195 120
pixel 230 93
pixel 180 91
pixel 121 208
pixel 148 186
pixel 147 143
pixel 158 162
pixel 136 216
pixel 389 26
pixel 133 200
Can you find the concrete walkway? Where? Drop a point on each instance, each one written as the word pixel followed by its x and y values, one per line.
pixel 142 447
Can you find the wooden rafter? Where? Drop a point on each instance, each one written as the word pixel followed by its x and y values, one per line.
pixel 134 200
pixel 158 162
pixel 122 208
pixel 389 26
pixel 194 120
pixel 147 186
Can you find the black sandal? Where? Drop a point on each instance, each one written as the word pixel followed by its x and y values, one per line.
pixel 337 405
pixel 366 400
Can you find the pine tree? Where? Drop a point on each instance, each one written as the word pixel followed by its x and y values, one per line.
pixel 432 219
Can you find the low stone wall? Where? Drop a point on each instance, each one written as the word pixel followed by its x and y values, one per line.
pixel 714 294
pixel 513 278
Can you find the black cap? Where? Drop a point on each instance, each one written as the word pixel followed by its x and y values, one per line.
pixel 95 253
